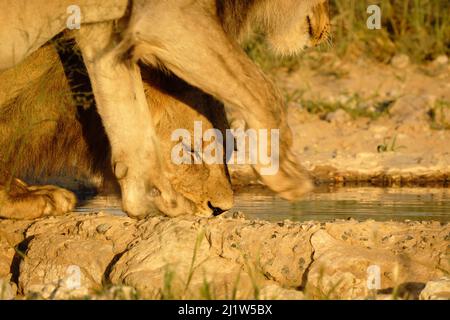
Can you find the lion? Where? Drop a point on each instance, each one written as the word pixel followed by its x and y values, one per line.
pixel 198 41
pixel 63 135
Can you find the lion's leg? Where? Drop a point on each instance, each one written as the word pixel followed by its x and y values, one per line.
pixel 123 107
pixel 28 25
pixel 194 46
pixel 20 201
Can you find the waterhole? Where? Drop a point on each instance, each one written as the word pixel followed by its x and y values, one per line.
pixel 324 204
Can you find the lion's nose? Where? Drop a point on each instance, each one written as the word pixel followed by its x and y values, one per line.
pixel 216 210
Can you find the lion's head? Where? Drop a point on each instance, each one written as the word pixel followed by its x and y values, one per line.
pixel 175 106
pixel 307 27
pixel 69 140
pixel 289 25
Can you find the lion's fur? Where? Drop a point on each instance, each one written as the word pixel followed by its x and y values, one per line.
pixel 196 41
pixel 26 25
pixel 41 129
pixel 45 134
pixel 275 19
pixel 199 42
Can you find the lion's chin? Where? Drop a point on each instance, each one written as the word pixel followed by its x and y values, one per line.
pixel 289 46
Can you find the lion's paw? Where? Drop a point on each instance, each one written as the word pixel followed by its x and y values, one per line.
pixel 57 201
pixel 291 181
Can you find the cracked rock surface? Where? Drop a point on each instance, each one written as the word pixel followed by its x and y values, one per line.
pixel 84 255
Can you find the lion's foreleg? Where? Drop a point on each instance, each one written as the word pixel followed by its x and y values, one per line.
pixel 122 105
pixel 195 47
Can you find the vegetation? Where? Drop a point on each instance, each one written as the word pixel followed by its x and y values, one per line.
pixel 389 145
pixel 418 28
pixel 440 115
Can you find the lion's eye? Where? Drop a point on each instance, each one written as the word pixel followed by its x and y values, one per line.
pixel 310 26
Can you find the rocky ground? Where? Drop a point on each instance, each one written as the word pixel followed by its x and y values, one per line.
pixel 102 256
pixel 354 121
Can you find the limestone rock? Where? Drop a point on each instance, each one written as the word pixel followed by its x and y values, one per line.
pixel 109 257
pixel 400 61
pixel 411 108
pixel 275 292
pixel 8 289
pixel 353 271
pixel 441 60
pixel 69 257
pixel 338 116
pixel 436 290
pixel 199 257
pixel 61 267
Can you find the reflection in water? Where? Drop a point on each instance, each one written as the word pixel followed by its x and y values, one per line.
pixel 358 203
pixel 343 203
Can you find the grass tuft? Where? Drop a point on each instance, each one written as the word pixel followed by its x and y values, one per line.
pixel 417 28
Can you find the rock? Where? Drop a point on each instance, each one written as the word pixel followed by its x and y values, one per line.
pixel 440 60
pixel 411 108
pixel 8 290
pixel 192 258
pixel 102 228
pixel 400 61
pixel 11 235
pixel 347 271
pixel 275 292
pixel 61 267
pixel 436 290
pixel 6 256
pixel 201 260
pixel 116 293
pixel 338 116
pixel 239 215
pixel 68 257
pixel 445 112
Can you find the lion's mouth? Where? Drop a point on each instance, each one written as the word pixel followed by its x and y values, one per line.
pixel 215 210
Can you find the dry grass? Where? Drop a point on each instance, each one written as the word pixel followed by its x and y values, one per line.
pixel 418 28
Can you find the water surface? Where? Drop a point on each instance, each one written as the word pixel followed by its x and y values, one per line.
pixel 324 204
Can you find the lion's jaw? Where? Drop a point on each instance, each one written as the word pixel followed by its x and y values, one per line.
pixel 289 34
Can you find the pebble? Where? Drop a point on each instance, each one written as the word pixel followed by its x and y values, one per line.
pixel 338 116
pixel 8 290
pixel 441 60
pixel 102 228
pixel 238 215
pixel 400 61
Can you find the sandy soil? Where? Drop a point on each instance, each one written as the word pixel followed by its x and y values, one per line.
pixel 345 145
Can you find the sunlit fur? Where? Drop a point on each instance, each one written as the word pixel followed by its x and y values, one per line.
pixel 44 136
pixel 289 25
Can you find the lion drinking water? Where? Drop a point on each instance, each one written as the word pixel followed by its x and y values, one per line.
pixel 198 42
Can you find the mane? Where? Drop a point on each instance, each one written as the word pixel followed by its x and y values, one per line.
pixel 44 131
pixel 235 15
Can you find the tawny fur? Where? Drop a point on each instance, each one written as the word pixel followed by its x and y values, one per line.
pixel 199 42
pixel 194 40
pixel 46 134
pixel 276 19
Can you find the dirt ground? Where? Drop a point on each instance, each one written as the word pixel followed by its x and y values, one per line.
pixel 361 121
